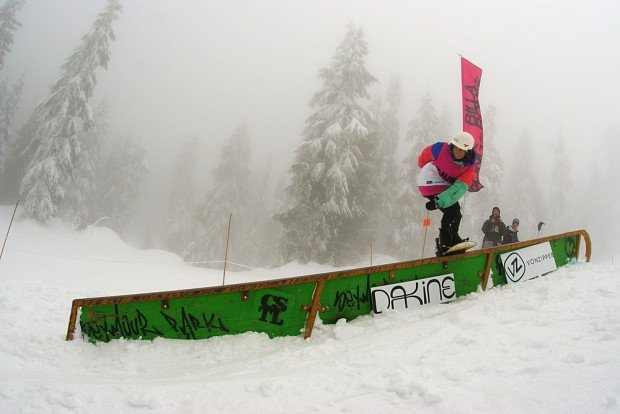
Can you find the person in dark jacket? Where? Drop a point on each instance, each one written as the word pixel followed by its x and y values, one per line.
pixel 511 235
pixel 493 229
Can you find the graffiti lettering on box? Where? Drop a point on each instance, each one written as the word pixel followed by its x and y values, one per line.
pixel 138 326
pixel 352 297
pixel 274 306
pixel 190 324
pixel 123 326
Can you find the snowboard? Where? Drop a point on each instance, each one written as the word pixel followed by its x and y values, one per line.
pixel 460 248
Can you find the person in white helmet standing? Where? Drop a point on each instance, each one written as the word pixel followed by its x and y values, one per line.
pixel 447 171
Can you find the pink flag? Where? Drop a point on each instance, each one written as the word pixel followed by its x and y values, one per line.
pixel 472 118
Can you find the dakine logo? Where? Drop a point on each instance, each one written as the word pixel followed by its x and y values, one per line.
pixel 407 295
pixel 272 305
pixel 514 266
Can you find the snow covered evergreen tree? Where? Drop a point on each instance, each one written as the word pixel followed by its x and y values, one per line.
pixel 78 206
pixel 592 187
pixel 147 240
pixel 523 196
pixel 263 231
pixel 601 198
pixel 51 142
pixel 8 24
pixel 181 222
pixel 385 170
pixel 9 96
pixel 330 178
pixel 562 190
pixel 230 194
pixel 423 130
pixel 445 130
pixel 9 102
pixel 119 184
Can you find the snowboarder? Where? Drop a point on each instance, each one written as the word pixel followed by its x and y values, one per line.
pixel 493 229
pixel 511 235
pixel 447 171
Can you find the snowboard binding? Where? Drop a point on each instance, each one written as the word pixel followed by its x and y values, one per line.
pixel 446 240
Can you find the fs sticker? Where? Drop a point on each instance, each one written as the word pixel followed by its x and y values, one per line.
pixel 271 306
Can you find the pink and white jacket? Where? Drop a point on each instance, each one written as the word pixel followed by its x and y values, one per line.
pixel 440 169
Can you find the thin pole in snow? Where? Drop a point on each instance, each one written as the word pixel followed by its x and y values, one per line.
pixel 426 224
pixel 8 230
pixel 226 253
pixel 371 253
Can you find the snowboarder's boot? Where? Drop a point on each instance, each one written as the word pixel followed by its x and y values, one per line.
pixel 453 234
pixel 443 242
pixel 439 250
pixel 447 238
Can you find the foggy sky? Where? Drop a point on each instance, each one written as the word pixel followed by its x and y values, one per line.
pixel 200 68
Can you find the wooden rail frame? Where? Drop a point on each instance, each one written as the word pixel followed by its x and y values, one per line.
pixel 319 279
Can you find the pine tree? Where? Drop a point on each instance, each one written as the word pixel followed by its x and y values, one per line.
pixel 423 130
pixel 230 194
pixel 9 102
pixel 120 179
pixel 9 96
pixel 523 194
pixel 78 206
pixel 8 24
pixel 588 213
pixel 385 170
pixel 444 128
pixel 562 190
pixel 181 222
pixel 263 231
pixel 330 178
pixel 51 140
pixel 600 199
pixel 147 240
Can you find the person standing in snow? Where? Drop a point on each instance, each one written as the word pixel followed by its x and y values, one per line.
pixel 493 229
pixel 447 171
pixel 511 235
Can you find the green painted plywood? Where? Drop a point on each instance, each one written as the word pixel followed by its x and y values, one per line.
pixel 275 311
pixel 350 297
pixel 563 251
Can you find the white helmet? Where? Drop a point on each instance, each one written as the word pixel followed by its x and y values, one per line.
pixel 463 140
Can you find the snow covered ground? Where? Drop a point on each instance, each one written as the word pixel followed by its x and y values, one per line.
pixel 550 345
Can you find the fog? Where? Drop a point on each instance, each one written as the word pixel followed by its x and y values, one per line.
pixel 200 68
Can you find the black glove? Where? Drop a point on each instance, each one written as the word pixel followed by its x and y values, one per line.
pixel 431 205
